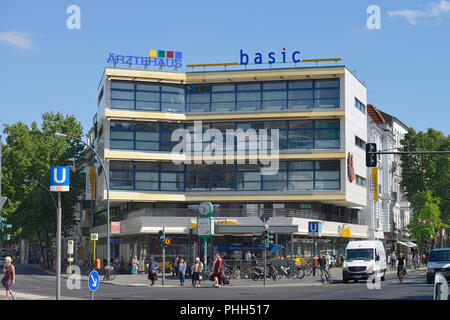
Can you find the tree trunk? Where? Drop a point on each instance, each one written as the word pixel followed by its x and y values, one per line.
pixel 48 250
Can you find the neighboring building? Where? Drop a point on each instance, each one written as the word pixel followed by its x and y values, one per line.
pixel 321 116
pixel 388 216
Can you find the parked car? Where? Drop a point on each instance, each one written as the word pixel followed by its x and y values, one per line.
pixel 438 261
pixel 363 259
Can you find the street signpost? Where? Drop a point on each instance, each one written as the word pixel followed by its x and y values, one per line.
pixel 70 253
pixel 59 182
pixel 314 230
pixel 93 282
pixel 94 237
pixel 205 228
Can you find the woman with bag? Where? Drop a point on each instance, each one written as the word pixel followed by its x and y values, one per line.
pixel 9 278
pixel 218 271
pixel 134 265
pixel 153 270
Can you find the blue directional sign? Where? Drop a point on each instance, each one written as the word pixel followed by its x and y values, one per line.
pixel 314 228
pixel 94 280
pixel 59 178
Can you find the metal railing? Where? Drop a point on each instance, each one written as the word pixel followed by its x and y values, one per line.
pixel 241 212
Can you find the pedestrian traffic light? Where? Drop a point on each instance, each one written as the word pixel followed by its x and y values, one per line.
pixel 162 237
pixel 3 225
pixel 371 158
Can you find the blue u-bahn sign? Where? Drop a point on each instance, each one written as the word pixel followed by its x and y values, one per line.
pixel 60 178
pixel 314 228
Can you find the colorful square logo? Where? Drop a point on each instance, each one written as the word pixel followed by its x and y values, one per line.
pixel 152 53
pixel 169 54
pixel 161 54
pixel 178 55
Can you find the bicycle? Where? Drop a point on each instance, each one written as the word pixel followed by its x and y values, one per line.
pixel 325 275
pixel 109 274
pixel 401 273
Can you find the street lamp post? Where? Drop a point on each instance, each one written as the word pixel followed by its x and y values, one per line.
pixel 108 231
pixel 58 240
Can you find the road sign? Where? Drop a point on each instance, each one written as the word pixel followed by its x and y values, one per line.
pixel 115 227
pixel 94 236
pixel 345 231
pixel 167 242
pixel 94 280
pixel 314 228
pixel 205 227
pixel 60 178
pixel 70 247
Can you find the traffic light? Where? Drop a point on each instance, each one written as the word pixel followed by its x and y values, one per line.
pixel 162 237
pixel 3 225
pixel 371 159
pixel 269 237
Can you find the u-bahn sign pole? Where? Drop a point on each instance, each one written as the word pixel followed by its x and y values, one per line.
pixel 59 182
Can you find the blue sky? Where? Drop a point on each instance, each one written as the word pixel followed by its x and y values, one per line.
pixel 44 66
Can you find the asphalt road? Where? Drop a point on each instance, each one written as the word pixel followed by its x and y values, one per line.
pixel 35 284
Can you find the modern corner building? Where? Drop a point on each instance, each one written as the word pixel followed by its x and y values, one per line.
pixel 320 113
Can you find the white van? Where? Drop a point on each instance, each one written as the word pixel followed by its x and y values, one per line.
pixel 363 259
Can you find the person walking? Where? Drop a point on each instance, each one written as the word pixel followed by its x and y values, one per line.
pixel 153 270
pixel 393 260
pixel 174 259
pixel 218 270
pixel 175 265
pixel 197 272
pixel 9 278
pixel 134 265
pixel 182 271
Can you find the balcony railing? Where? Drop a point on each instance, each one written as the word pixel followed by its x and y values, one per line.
pixel 241 212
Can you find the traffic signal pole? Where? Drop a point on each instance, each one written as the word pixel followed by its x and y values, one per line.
pixel 164 256
pixel 58 249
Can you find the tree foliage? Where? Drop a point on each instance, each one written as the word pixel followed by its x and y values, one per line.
pixel 426 173
pixel 29 153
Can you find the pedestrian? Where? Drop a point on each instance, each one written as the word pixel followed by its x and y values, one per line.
pixel 218 270
pixel 174 259
pixel 197 272
pixel 327 257
pixel 9 278
pixel 393 260
pixel 175 265
pixel 401 266
pixel 182 271
pixel 153 270
pixel 134 265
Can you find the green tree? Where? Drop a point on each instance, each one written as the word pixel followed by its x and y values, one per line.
pixel 426 222
pixel 29 153
pixel 427 172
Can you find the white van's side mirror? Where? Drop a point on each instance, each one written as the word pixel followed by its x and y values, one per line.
pixel 377 258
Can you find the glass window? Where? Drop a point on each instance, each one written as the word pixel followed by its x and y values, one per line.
pixel 122 104
pixel 274 85
pixel 274 105
pixel 148 105
pixel 222 87
pixel 152 136
pixel 305 84
pixel 274 124
pixel 301 185
pixel 274 185
pixel 174 88
pixel 223 97
pixel 300 104
pixel 122 125
pixel 253 185
pixel 327 134
pixel 328 83
pixel 301 134
pixel 300 94
pixel 144 145
pixel 146 185
pixel 121 135
pixel 171 186
pixel 121 184
pixel 122 95
pixel 278 176
pixel 121 165
pixel 167 166
pixel 151 96
pixel 301 124
pixel 300 144
pixel 327 185
pixel 122 85
pixel 172 176
pixel 222 107
pixel 327 123
pixel 248 87
pixel 198 98
pixel 198 88
pixel 327 175
pixel 274 95
pixel 150 176
pixel 301 175
pixel 248 105
pixel 147 126
pixel 326 93
pixel 147 86
pixel 249 96
pixel 328 164
pixel 124 175
pixel 150 166
pixel 327 144
pixel 120 144
pixel 300 165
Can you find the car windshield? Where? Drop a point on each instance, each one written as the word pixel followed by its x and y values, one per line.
pixel 359 254
pixel 441 255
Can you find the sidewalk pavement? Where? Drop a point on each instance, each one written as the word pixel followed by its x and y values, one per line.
pixel 141 280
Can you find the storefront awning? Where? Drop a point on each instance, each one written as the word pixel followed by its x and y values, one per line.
pixel 407 244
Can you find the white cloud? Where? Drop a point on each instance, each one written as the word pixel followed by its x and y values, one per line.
pixel 17 39
pixel 433 10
